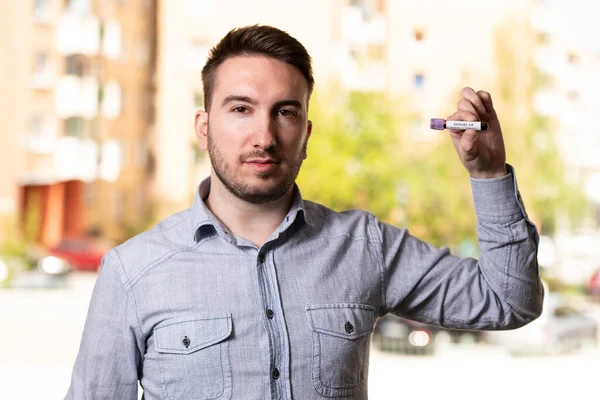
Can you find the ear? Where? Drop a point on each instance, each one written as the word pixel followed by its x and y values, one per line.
pixel 201 127
pixel 308 132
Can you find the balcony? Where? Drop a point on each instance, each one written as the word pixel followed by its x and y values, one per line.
pixel 76 96
pixel 78 34
pixel 75 159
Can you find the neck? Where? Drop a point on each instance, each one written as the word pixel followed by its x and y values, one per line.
pixel 254 222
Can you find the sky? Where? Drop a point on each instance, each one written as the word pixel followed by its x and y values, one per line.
pixel 579 18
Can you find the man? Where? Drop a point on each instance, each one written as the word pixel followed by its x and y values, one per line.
pixel 255 293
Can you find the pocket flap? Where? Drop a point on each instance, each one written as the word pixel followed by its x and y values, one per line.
pixel 188 336
pixel 347 321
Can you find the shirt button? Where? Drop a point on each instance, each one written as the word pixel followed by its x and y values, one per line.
pixel 270 313
pixel 349 327
pixel 275 374
pixel 261 257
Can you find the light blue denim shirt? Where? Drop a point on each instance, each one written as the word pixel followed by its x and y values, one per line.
pixel 196 312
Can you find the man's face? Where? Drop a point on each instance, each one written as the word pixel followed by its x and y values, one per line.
pixel 257 128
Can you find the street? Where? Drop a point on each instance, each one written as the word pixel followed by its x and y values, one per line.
pixel 41 330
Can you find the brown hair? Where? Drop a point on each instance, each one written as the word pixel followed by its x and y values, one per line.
pixel 256 40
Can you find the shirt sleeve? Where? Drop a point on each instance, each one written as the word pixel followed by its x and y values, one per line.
pixel 501 290
pixel 109 361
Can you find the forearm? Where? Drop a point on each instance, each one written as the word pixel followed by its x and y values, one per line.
pixel 500 291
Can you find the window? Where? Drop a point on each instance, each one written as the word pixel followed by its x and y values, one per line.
pixel 41 11
pixel 77 127
pixel 419 35
pixel 42 74
pixel 572 58
pixel 35 128
pixel 76 65
pixel 418 80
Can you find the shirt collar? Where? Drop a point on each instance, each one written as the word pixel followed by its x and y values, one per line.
pixel 208 223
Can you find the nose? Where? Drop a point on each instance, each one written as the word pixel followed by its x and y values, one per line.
pixel 264 134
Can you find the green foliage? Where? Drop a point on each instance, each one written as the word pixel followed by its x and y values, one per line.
pixel 353 158
pixel 362 155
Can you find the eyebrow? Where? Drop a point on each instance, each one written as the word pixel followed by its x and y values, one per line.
pixel 243 99
pixel 290 102
pixel 250 100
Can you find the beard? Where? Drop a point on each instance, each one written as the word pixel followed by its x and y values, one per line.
pixel 273 184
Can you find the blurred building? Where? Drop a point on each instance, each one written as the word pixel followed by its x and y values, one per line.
pixel 77 113
pixel 422 51
pixel 570 99
pixel 100 96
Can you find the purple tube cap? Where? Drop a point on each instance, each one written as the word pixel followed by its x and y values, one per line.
pixel 437 124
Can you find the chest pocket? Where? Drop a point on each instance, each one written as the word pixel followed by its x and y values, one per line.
pixel 194 358
pixel 340 339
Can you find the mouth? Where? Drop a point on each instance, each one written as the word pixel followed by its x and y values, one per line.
pixel 262 161
pixel 262 165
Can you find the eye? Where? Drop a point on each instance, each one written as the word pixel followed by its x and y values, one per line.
pixel 288 113
pixel 240 109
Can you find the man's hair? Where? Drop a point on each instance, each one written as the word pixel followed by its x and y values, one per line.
pixel 259 40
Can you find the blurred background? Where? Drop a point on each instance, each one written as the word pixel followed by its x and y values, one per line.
pixel 97 145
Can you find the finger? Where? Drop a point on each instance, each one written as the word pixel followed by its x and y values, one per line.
pixel 471 96
pixel 462 115
pixel 466 105
pixel 486 99
pixel 465 139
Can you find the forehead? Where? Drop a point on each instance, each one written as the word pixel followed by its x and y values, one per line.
pixel 259 77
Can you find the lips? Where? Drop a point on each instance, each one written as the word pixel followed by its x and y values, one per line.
pixel 262 161
pixel 262 165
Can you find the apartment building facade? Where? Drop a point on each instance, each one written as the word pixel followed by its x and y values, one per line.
pixel 78 90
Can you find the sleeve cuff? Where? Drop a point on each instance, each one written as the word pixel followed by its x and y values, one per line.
pixel 498 199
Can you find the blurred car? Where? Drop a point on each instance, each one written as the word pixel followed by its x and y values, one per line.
pixel 35 268
pixel 593 285
pixel 560 329
pixel 83 254
pixel 399 335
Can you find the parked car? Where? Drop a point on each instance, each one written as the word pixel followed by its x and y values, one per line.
pixel 82 253
pixel 399 335
pixel 561 328
pixel 593 285
pixel 35 268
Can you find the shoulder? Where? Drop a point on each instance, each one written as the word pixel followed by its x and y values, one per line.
pixel 171 235
pixel 325 221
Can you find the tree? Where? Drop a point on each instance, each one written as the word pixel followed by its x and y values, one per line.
pixel 362 155
pixel 355 158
